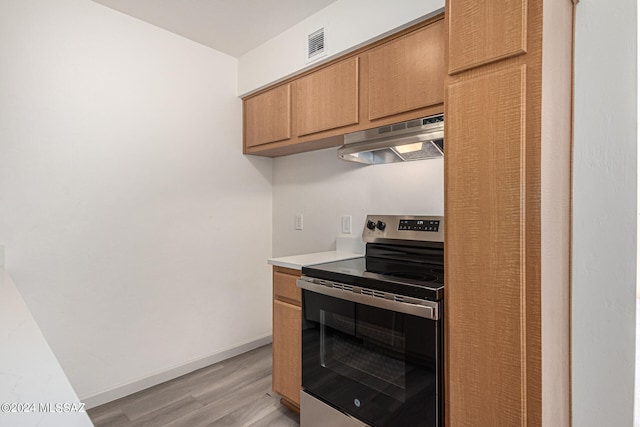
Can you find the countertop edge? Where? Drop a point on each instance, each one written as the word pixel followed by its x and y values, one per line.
pixel 31 372
pixel 296 262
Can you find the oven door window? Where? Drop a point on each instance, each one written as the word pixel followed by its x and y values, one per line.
pixel 380 366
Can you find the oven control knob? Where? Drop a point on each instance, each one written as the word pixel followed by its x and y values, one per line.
pixel 371 225
pixel 381 225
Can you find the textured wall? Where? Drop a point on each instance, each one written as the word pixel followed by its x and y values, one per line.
pixel 604 214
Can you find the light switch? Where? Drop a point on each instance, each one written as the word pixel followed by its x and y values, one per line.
pixel 298 221
pixel 346 224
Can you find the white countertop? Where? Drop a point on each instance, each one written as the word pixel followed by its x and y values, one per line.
pixel 296 262
pixel 347 247
pixel 34 391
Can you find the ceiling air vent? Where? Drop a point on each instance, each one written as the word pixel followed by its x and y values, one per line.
pixel 316 45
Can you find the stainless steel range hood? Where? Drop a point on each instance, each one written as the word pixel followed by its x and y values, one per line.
pixel 417 139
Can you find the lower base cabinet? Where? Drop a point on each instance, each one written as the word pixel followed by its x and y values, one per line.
pixel 287 337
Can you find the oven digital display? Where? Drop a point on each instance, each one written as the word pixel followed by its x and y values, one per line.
pixel 418 225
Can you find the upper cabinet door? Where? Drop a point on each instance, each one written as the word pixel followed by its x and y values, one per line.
pixel 407 73
pixel 328 98
pixel 483 31
pixel 267 117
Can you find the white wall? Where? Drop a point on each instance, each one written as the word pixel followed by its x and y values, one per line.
pixel 348 24
pixel 604 214
pixel 135 229
pixel 323 188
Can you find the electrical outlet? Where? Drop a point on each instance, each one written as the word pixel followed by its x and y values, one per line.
pixel 298 221
pixel 346 224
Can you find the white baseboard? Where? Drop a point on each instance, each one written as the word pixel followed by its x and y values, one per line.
pixel 118 392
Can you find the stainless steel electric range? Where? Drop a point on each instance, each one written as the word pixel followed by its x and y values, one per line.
pixel 372 329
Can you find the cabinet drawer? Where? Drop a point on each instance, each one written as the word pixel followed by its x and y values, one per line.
pixel 284 287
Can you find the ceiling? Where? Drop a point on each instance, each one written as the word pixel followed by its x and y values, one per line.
pixel 230 26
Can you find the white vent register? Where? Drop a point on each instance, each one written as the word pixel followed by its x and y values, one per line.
pixel 316 45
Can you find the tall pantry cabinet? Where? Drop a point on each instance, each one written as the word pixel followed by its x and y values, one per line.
pixel 507 192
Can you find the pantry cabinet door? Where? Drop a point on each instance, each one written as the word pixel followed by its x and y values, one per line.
pixel 486 289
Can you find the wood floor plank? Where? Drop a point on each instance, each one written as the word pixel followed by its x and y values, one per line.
pixel 170 392
pixel 234 392
pixel 225 404
pixel 248 414
pixel 281 417
pixel 241 377
pixel 167 414
pixel 113 419
pixel 145 401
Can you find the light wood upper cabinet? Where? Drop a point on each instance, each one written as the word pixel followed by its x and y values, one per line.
pixel 407 73
pixel 328 98
pixel 482 31
pixel 392 80
pixel 267 117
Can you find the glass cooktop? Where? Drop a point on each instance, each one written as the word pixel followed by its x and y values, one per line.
pixel 419 280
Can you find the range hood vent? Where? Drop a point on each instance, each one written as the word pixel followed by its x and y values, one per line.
pixel 418 139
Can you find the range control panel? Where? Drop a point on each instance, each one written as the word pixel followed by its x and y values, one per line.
pixel 419 225
pixel 403 228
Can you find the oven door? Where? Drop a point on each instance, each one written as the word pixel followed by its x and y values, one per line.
pixel 375 363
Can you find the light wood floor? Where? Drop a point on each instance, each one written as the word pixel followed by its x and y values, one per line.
pixel 235 392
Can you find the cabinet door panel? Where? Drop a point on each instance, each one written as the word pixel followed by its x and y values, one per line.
pixel 486 316
pixel 328 98
pixel 287 344
pixel 268 116
pixel 285 288
pixel 407 73
pixel 483 31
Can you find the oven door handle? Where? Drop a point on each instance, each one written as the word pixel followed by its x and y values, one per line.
pixel 422 308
